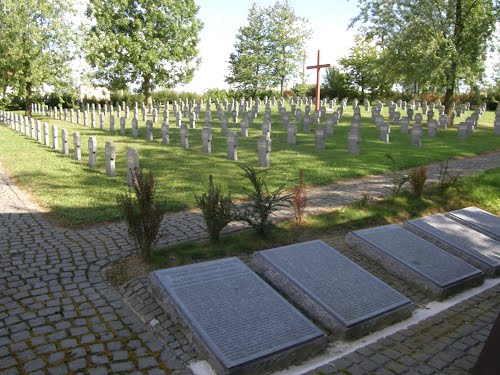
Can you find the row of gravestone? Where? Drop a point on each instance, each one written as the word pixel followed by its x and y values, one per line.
pixel 243 326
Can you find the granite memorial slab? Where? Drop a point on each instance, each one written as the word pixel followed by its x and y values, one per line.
pixel 468 244
pixel 479 220
pixel 240 323
pixel 415 259
pixel 332 289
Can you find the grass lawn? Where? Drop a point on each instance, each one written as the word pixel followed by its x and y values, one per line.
pixel 75 195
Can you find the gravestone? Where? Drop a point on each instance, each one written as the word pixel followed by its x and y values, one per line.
pixel 46 140
pixel 149 130
pixel 206 139
pixel 101 121
pixel 77 152
pixel 165 133
pixel 404 123
pixel 264 151
pixel 110 154
pixel 462 131
pixel 135 127
pixel 353 143
pixel 443 121
pixel 307 124
pixel 132 165
pixel 237 321
pixel 414 259
pixel 432 128
pixel 291 134
pixel 65 142
pixel 111 122
pixel 479 220
pixel 122 125
pixel 55 138
pixel 38 131
pixel 184 135
pixel 332 289
pixel 320 138
pixel 474 247
pixel 92 143
pixel 232 146
pixel 385 131
pixel 416 136
pixel 244 127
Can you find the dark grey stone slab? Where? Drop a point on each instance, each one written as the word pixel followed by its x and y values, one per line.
pixel 331 288
pixel 464 242
pixel 414 259
pixel 237 320
pixel 479 220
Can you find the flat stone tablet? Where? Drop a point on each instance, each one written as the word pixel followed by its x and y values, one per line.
pixel 237 320
pixel 415 259
pixel 464 242
pixel 478 219
pixel 334 290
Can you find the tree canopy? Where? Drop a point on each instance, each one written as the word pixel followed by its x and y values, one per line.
pixel 269 51
pixel 147 42
pixel 430 41
pixel 35 45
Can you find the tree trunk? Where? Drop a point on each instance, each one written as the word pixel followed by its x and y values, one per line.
pixel 147 89
pixel 29 99
pixel 282 82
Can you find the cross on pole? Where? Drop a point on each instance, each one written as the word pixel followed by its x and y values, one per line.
pixel 318 67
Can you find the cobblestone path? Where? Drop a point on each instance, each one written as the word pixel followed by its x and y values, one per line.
pixel 59 316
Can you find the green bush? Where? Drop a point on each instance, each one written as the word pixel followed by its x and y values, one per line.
pixel 417 178
pixel 142 215
pixel 217 209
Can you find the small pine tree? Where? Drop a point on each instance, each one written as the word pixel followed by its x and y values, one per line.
pixel 142 215
pixel 216 208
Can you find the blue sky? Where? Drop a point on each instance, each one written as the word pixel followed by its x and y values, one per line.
pixel 329 20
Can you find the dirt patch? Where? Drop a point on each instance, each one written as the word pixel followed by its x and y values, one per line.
pixel 127 269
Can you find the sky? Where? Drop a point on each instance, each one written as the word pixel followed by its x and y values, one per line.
pixel 329 20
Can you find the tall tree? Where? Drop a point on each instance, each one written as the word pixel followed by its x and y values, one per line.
pixel 336 83
pixel 149 42
pixel 270 49
pixel 289 34
pixel 35 45
pixel 249 65
pixel 441 41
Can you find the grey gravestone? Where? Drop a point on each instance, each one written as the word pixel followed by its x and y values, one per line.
pixel 149 130
pixel 385 131
pixel 110 152
pixel 122 125
pixel 77 152
pixel 244 127
pixel 135 127
pixel 331 288
pixel 184 135
pixel 320 138
pixel 165 133
pixel 462 131
pixel 232 146
pixel 354 141
pixel 415 259
pixel 264 151
pixel 46 140
pixel 92 143
pixel 307 124
pixel 291 134
pixel 65 142
pixel 206 139
pixel 55 138
pixel 238 321
pixel 416 136
pixel 132 164
pixel 101 121
pixel 432 128
pixel 479 220
pixel 464 242
pixel 38 131
pixel 111 122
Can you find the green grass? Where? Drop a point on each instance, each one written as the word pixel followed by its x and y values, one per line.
pixel 76 195
pixel 482 190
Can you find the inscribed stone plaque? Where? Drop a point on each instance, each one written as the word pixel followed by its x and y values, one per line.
pixel 464 242
pixel 331 288
pixel 237 319
pixel 415 259
pixel 479 220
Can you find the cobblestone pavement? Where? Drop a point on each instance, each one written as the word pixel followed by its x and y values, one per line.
pixel 58 315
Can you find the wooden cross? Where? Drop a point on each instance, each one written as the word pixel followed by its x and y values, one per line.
pixel 318 67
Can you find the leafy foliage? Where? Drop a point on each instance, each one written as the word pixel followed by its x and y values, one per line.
pixel 151 42
pixel 262 202
pixel 299 199
pixel 142 215
pixel 417 178
pixel 217 209
pixel 398 179
pixel 446 178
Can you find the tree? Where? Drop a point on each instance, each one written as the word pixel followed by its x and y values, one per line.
pixel 289 34
pixel 438 41
pixel 150 42
pixel 270 50
pixel 249 65
pixel 35 44
pixel 336 83
pixel 363 68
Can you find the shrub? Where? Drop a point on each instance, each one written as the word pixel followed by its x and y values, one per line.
pixel 142 215
pixel 447 179
pixel 299 199
pixel 398 179
pixel 262 202
pixel 216 208
pixel 417 179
